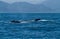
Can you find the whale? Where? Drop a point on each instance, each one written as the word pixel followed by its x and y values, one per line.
pixel 29 21
pixel 26 21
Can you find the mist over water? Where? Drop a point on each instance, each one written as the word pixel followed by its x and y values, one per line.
pixel 29 1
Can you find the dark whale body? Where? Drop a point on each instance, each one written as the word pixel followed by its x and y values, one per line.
pixel 37 19
pixel 14 21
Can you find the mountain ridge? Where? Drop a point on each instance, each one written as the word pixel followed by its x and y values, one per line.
pixel 23 7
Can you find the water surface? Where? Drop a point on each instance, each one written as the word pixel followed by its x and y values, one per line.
pixel 36 30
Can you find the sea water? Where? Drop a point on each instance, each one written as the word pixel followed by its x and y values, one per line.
pixel 33 30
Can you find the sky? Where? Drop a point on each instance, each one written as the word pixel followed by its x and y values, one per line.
pixel 29 1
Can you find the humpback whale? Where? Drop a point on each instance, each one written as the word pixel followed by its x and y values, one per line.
pixel 17 21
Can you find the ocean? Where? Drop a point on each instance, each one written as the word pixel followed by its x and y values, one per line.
pixel 34 30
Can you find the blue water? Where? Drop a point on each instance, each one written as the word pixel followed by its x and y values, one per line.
pixel 36 30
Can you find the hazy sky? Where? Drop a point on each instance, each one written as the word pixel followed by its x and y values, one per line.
pixel 30 1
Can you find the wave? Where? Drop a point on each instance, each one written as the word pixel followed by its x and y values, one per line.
pixel 46 20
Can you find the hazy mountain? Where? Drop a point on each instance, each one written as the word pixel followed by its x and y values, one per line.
pixel 53 4
pixel 23 7
pixel 3 6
